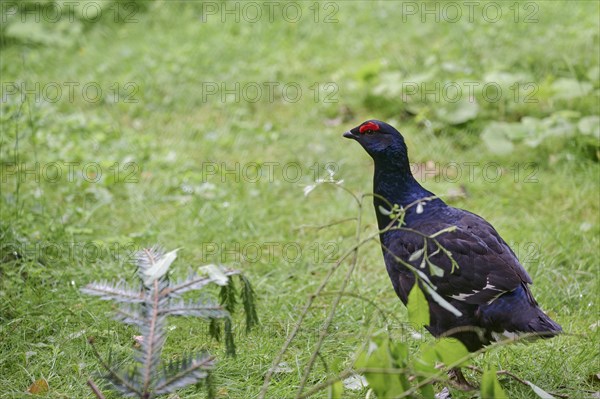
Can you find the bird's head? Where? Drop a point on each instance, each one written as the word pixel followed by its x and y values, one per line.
pixel 380 140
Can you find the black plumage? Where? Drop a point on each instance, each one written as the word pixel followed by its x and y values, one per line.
pixel 487 284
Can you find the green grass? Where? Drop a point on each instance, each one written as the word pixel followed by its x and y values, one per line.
pixel 173 136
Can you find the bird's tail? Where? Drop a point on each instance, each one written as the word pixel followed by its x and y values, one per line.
pixel 516 313
pixel 541 323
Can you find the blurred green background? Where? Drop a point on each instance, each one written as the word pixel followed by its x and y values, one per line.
pixel 198 125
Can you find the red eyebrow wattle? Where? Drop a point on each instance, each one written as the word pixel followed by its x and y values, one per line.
pixel 369 126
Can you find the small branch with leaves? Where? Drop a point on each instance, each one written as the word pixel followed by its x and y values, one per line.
pixel 389 367
pixel 147 308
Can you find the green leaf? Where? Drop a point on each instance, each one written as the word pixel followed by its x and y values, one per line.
pixel 390 86
pixel 426 362
pixel 418 308
pixel 215 273
pixel 566 88
pixel 506 79
pixel 539 391
pixel 459 112
pixel 497 136
pixel 435 270
pixel 160 268
pixel 399 352
pixel 336 390
pixel 556 125
pixel 593 73
pixel 416 255
pixel 44 32
pixel 384 211
pixel 590 125
pixel 379 354
pixel 445 350
pixel 490 387
pixel 368 71
pixel 427 391
pixel 450 350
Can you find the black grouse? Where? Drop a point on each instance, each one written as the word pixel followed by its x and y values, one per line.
pixel 487 285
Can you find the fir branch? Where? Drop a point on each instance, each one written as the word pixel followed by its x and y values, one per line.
pixel 203 309
pixel 229 343
pixel 214 329
pixel 210 386
pixel 227 296
pixel 249 302
pixel 125 385
pixel 189 370
pixel 119 292
pixel 148 309
pixel 130 315
pixel 154 337
pixel 195 282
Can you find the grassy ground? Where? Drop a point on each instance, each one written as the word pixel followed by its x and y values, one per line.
pixel 176 165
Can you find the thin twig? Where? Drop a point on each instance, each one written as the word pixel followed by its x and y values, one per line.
pixel 516 378
pixel 95 389
pixel 110 370
pixel 334 305
pixel 193 281
pixel 338 297
pixel 296 329
pixel 304 312
pixel 398 219
pixel 323 226
pixel 326 383
pixel 382 312
pixel 312 297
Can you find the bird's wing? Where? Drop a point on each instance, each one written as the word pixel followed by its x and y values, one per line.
pixel 485 265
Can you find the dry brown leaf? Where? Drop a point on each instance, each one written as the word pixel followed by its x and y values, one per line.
pixel 39 387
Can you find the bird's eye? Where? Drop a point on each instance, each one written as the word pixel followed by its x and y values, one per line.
pixel 368 131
